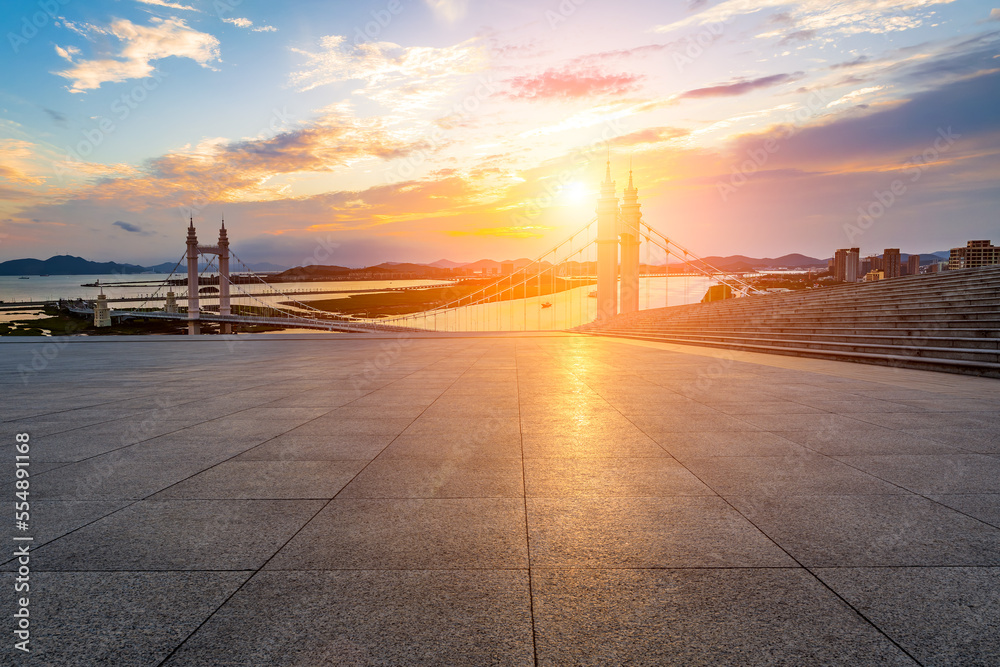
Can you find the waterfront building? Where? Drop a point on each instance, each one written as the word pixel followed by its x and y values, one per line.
pixel 102 312
pixel 846 265
pixel 874 275
pixel 890 263
pixel 974 255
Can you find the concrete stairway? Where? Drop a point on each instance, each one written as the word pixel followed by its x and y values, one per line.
pixel 946 322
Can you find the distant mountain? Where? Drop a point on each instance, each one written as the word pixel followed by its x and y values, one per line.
pixel 166 267
pixel 493 264
pixel 259 267
pixel 65 265
pixel 68 265
pixel 743 263
pixel 313 271
pixel 446 264
pixel 266 266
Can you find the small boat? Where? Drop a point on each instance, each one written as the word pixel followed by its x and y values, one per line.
pixel 546 305
pixel 24 278
pixel 593 295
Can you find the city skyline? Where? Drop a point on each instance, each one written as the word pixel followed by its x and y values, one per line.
pixel 416 131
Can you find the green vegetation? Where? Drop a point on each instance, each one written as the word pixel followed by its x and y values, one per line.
pixel 61 324
pixel 404 302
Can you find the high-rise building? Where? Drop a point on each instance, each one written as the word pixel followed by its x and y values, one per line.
pixel 839 265
pixel 853 255
pixel 913 265
pixel 845 265
pixel 865 266
pixel 974 255
pixel 876 263
pixel 890 263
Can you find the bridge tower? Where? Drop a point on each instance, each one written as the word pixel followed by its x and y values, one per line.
pixel 607 249
pixel 194 251
pixel 629 235
pixel 194 310
pixel 224 308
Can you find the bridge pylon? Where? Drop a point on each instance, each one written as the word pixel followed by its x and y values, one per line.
pixel 629 237
pixel 607 249
pixel 618 228
pixel 194 252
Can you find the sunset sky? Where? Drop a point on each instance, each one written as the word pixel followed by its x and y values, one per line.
pixel 416 130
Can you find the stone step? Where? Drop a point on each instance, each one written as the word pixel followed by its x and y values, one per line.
pixel 969 342
pixel 985 369
pixel 967 354
pixel 759 303
pixel 947 321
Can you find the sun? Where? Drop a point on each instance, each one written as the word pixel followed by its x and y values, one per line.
pixel 575 192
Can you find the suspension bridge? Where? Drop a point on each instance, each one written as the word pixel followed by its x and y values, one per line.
pixel 590 277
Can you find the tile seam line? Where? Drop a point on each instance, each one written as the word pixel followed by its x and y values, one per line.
pixel 747 519
pixel 260 569
pixel 135 501
pixel 527 532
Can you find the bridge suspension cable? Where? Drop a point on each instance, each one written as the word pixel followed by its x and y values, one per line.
pixel 494 292
pixel 733 281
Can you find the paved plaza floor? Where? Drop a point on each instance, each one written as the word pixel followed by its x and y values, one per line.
pixel 509 500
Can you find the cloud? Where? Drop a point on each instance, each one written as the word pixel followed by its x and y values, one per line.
pixel 57 118
pixel 556 84
pixel 404 79
pixel 651 135
pixel 798 36
pixel 853 17
pixel 169 5
pixel 140 46
pixel 966 107
pixel 18 164
pixel 449 10
pixel 741 86
pixel 592 59
pixel 247 23
pixel 995 15
pixel 860 60
pixel 129 227
pixel 68 53
pixel 252 170
pixel 854 95
pixel 517 232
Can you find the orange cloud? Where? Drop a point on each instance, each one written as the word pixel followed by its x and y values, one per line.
pixel 556 84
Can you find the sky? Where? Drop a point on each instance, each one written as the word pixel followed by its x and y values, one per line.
pixel 352 133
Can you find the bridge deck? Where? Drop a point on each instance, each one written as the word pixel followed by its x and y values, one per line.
pixel 477 500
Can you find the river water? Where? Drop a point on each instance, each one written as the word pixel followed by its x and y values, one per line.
pixel 569 308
